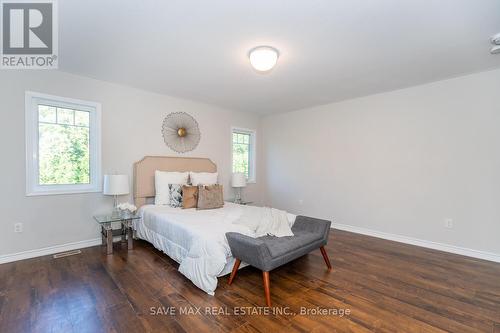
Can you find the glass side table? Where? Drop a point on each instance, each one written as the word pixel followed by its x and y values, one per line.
pixel 107 231
pixel 242 202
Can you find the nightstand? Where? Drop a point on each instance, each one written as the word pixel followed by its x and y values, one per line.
pixel 107 232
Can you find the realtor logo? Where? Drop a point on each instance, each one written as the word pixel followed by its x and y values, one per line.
pixel 29 34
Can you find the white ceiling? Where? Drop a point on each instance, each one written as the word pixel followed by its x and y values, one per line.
pixel 330 50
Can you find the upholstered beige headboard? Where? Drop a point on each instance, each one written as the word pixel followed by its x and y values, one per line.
pixel 144 172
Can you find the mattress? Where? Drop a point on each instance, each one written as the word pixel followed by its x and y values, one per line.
pixel 194 238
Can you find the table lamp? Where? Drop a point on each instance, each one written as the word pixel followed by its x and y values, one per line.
pixel 238 181
pixel 115 185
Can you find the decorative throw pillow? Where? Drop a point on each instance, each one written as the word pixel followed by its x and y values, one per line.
pixel 189 196
pixel 162 180
pixel 175 191
pixel 210 197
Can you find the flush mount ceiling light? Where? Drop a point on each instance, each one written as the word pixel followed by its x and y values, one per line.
pixel 263 58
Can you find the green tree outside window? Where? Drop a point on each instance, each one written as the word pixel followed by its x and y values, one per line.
pixel 63 146
pixel 241 153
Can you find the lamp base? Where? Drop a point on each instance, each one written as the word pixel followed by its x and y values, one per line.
pixel 237 198
pixel 115 214
pixel 116 211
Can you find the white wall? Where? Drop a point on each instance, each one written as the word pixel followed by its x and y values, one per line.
pixel 131 129
pixel 399 162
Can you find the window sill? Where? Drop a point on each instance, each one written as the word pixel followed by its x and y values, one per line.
pixel 61 192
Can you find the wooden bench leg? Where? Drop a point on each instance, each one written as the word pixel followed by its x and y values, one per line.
pixel 325 256
pixel 267 287
pixel 235 269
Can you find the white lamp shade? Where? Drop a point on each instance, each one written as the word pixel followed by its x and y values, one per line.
pixel 239 179
pixel 116 185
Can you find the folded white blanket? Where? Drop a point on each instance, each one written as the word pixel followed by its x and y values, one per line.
pixel 266 221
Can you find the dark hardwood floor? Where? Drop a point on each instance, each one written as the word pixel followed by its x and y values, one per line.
pixel 386 286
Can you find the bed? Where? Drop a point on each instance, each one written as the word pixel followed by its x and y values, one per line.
pixel 194 238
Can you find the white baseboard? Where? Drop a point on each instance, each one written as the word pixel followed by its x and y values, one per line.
pixel 49 250
pixel 358 230
pixel 420 242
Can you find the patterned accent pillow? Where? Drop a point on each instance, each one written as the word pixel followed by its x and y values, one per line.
pixel 175 191
pixel 210 197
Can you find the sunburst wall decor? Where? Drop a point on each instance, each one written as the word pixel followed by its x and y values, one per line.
pixel 181 132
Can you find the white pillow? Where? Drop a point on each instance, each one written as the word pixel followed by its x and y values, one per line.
pixel 203 178
pixel 162 179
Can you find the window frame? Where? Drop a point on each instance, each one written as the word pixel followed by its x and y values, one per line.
pixel 33 188
pixel 252 158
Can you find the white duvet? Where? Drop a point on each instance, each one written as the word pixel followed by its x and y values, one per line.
pixel 195 238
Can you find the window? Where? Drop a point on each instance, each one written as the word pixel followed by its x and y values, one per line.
pixel 63 145
pixel 243 150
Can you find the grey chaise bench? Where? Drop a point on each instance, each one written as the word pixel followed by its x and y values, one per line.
pixel 269 252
